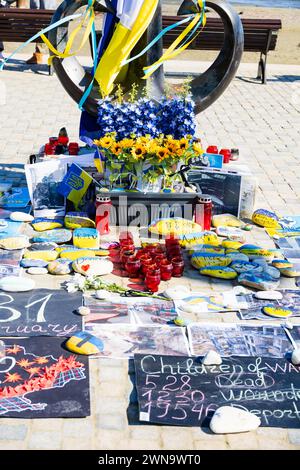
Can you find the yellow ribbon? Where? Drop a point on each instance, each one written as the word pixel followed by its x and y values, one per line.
pixel 62 55
pixel 172 52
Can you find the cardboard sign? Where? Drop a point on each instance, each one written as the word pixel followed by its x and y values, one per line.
pixel 180 391
pixel 42 312
pixel 39 379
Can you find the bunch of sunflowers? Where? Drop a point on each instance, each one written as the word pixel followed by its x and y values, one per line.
pixel 146 157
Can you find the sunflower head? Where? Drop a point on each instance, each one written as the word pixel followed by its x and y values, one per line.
pixel 106 142
pixel 197 148
pixel 162 153
pixel 138 151
pixel 183 144
pixel 126 143
pixel 116 148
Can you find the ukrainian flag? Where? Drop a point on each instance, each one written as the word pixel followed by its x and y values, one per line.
pixel 75 184
pixel 135 17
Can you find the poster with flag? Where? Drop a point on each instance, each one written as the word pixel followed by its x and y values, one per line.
pixel 75 184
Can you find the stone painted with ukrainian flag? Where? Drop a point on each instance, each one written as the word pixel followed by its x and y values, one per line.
pixel 219 272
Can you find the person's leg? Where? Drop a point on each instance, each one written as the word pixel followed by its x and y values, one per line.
pixel 1 51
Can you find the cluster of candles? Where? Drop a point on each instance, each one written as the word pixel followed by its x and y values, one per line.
pixel 60 145
pixel 154 262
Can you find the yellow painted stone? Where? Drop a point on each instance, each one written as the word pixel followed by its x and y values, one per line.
pixel 84 343
pixel 189 240
pixel 201 260
pixel 228 220
pixel 44 255
pixel 101 253
pixel 75 254
pixel 176 226
pixel 43 225
pixel 266 219
pixel 219 272
pixel 277 312
pixel 231 244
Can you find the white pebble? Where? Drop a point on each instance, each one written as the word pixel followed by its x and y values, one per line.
pixel 37 271
pixel 84 311
pixel 228 419
pixel 21 217
pixel 212 358
pixel 296 357
pixel 240 290
pixel 268 295
pixel 103 294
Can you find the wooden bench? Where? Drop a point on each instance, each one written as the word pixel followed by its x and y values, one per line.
pixel 260 35
pixel 19 25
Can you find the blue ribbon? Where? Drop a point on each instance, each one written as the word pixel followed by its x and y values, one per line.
pixel 158 37
pixel 95 58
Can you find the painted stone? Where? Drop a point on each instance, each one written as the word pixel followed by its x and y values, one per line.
pixel 37 271
pixel 180 321
pixel 273 272
pixel 296 357
pixel 20 217
pixel 260 281
pixel 265 218
pixel 211 358
pixel 43 246
pixel 202 260
pixel 206 249
pixel 86 238
pixel 176 226
pixel 84 343
pixel 177 293
pixel 231 244
pixel 64 247
pixel 59 235
pixel 103 294
pixel 281 264
pixel 261 262
pixel 290 272
pixel 254 251
pixel 189 240
pixel 75 220
pixel 16 284
pixel 247 227
pixel 33 263
pixel 84 311
pixel 219 272
pixel 268 295
pixel 232 233
pixel 277 311
pixel 42 224
pixel 14 243
pixel 245 266
pixel 44 255
pixel 237 256
pixel 75 254
pixel 229 420
pixel 240 290
pixel 60 267
pixel 92 266
pixel 3 224
pixel 227 220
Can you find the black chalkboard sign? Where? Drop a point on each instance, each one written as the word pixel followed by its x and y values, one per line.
pixel 40 379
pixel 181 391
pixel 41 312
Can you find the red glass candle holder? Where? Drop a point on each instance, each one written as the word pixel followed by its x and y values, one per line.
pixel 166 270
pixel 53 140
pixel 133 266
pixel 145 257
pixel 125 237
pixel 73 148
pixel 126 256
pixel 63 140
pixel 128 247
pixel 49 149
pixel 212 149
pixel 148 264
pixel 178 266
pixel 170 241
pixel 159 258
pixel 226 155
pixel 152 281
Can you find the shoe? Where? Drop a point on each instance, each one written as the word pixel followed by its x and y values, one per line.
pixel 37 58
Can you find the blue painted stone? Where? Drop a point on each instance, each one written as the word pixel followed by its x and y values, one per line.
pixel 273 272
pixel 43 246
pixel 260 281
pixel 60 267
pixel 33 263
pixel 59 235
pixel 244 267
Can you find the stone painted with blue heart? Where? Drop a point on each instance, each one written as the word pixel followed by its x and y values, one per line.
pixel 265 218
pixel 201 260
pixel 219 272
pixel 260 281
pixel 33 263
pixel 86 238
pixel 59 235
pixel 273 272
pixel 60 267
pixel 246 266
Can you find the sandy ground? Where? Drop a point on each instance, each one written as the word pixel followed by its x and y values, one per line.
pixel 288 45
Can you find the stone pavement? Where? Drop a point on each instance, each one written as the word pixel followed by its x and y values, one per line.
pixel 263 122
